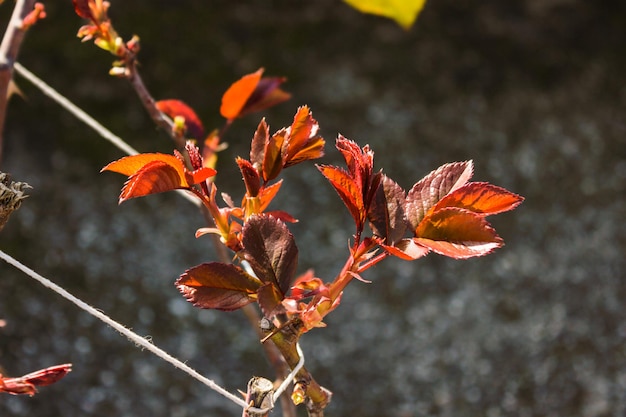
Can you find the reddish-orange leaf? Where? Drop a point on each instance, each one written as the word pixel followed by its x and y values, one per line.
pixel 173 108
pixel 482 198
pixel 251 177
pixel 129 165
pixel 406 249
pixel 433 187
pixel 265 95
pixel 386 213
pixel 235 98
pixel 457 233
pixel 155 177
pixel 259 140
pixel 272 155
pixel 199 175
pixel 218 285
pixel 267 194
pixel 26 384
pixel 348 190
pixel 303 143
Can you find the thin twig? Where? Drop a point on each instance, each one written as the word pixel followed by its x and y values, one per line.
pixel 9 49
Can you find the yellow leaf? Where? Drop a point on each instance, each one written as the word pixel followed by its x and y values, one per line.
pixel 404 12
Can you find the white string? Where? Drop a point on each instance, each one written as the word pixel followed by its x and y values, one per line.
pixel 132 336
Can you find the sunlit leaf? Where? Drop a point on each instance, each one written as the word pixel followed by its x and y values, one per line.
pixel 250 176
pixel 457 233
pixel 219 286
pixel 259 141
pixel 433 187
pixel 406 249
pixel 304 142
pixel 235 98
pixel 173 108
pixel 272 155
pixel 348 191
pixel 265 95
pixel 404 12
pixel 267 194
pixel 128 165
pixel 271 250
pixel 482 198
pixel 153 178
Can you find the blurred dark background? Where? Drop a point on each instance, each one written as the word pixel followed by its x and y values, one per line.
pixel 534 91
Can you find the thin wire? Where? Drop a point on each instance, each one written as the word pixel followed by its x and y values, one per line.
pixel 132 336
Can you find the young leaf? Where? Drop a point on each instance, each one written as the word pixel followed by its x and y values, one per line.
pixel 234 99
pixel 303 142
pixel 260 138
pixel 251 177
pixel 265 95
pixel 481 198
pixel 269 299
pixel 27 384
pixel 457 233
pixel 348 191
pixel 386 214
pixel 404 12
pixel 272 155
pixel 433 187
pixel 155 173
pixel 219 286
pixel 407 249
pixel 174 108
pixel 271 250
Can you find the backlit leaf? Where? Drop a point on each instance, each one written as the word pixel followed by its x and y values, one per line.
pixel 267 194
pixel 154 177
pixel 272 155
pixel 259 140
pixel 348 191
pixel 235 98
pixel 482 198
pixel 250 176
pixel 304 142
pixel 81 7
pixel 457 233
pixel 404 12
pixel 173 108
pixel 407 249
pixel 27 384
pixel 265 95
pixel 271 250
pixel 128 165
pixel 219 286
pixel 433 187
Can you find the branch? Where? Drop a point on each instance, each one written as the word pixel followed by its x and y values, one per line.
pixel 11 42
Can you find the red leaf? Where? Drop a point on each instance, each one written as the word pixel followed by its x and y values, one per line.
pixel 272 155
pixel 267 194
pixel 481 198
pixel 386 213
pixel 251 177
pixel 173 108
pixel 457 233
pixel 433 187
pixel 259 141
pixel 219 286
pixel 155 177
pixel 265 95
pixel 27 383
pixel 271 250
pixel 407 249
pixel 348 190
pixel 235 98
pixel 269 298
pixel 303 141
pixel 81 7
pixel 131 164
